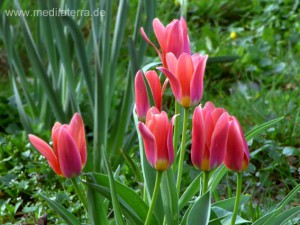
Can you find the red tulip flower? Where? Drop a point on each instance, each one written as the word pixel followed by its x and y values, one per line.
pixel 141 96
pixel 237 152
pixel 209 136
pixel 186 77
pixel 157 134
pixel 172 38
pixel 68 155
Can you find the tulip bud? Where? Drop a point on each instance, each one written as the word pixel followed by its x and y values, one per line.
pixel 68 156
pixel 209 136
pixel 157 134
pixel 141 96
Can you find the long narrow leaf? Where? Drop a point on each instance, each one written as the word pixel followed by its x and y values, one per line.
pixel 114 196
pixel 64 52
pixel 286 215
pixel 96 209
pixel 200 211
pixel 23 117
pixel 169 197
pixel 290 196
pixel 130 201
pixel 82 56
pixel 251 134
pixel 38 69
pixel 63 212
pixel 190 192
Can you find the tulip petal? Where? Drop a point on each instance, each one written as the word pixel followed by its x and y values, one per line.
pixel 196 59
pixel 198 138
pixel 209 127
pixel 186 41
pixel 69 157
pixel 159 127
pixel 184 73
pixel 149 143
pixel 219 141
pixel 46 151
pixel 175 85
pixel 235 148
pixel 196 84
pixel 166 82
pixel 216 114
pixel 209 106
pixel 78 133
pixel 246 149
pixel 155 87
pixel 171 62
pixel 54 136
pixel 141 97
pixel 144 35
pixel 159 31
pixel 174 39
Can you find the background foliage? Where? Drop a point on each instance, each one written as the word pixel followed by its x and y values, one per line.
pixel 262 84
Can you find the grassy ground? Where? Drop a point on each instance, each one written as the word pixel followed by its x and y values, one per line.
pixel 262 84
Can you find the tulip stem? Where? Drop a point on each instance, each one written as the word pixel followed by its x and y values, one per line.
pixel 205 179
pixel 154 197
pixel 237 198
pixel 182 149
pixel 79 192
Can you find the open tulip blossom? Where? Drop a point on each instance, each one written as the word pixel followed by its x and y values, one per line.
pixel 186 77
pixel 68 155
pixel 141 96
pixel 172 38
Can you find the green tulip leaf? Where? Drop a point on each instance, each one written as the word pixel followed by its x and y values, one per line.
pixel 189 192
pixel 273 214
pixel 200 211
pixel 132 206
pixel 169 197
pixel 284 216
pixel 228 204
pixel 63 212
pixel 251 134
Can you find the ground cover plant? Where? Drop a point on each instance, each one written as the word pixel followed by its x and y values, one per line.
pixel 53 67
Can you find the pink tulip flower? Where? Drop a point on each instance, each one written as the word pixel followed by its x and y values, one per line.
pixel 186 77
pixel 209 136
pixel 157 134
pixel 141 96
pixel 237 152
pixel 68 155
pixel 172 38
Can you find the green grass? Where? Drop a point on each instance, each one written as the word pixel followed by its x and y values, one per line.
pixel 261 85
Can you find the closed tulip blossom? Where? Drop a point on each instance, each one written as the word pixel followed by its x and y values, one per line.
pixel 172 38
pixel 186 77
pixel 209 136
pixel 237 152
pixel 68 155
pixel 141 96
pixel 157 134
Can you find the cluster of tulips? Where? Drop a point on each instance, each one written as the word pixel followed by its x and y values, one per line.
pixel 217 136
